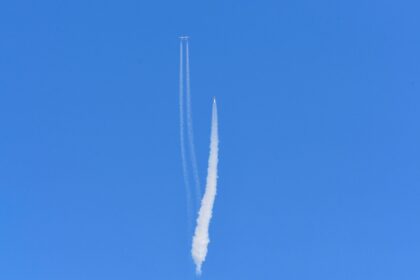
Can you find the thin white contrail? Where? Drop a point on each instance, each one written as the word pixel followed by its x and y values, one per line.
pixel 190 127
pixel 182 134
pixel 201 235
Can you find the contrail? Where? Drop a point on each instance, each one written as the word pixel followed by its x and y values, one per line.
pixel 182 134
pixel 201 236
pixel 190 127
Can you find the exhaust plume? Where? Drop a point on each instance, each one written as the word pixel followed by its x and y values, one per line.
pixel 182 134
pixel 201 236
pixel 190 127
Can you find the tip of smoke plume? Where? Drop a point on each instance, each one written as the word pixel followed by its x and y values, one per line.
pixel 198 271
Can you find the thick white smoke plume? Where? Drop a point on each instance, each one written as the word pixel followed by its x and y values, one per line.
pixel 201 236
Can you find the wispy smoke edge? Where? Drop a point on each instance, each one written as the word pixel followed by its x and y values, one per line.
pixel 190 129
pixel 182 136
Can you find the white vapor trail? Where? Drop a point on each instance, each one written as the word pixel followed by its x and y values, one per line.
pixel 190 127
pixel 201 236
pixel 182 133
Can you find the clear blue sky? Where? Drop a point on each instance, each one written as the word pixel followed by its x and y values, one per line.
pixel 319 111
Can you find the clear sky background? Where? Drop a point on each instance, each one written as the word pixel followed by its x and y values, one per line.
pixel 319 109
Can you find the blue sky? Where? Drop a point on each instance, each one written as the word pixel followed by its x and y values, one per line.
pixel 319 128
